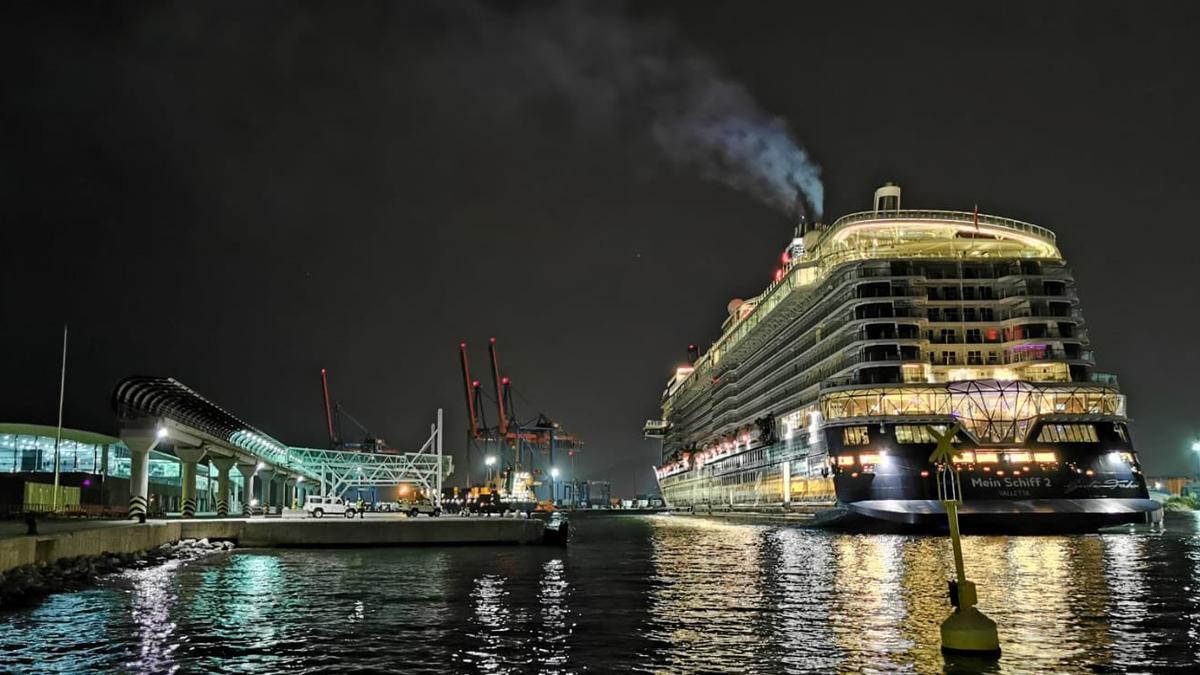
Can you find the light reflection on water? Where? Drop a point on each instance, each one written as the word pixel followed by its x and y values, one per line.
pixel 654 594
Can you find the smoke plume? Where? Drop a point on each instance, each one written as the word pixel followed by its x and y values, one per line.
pixel 637 76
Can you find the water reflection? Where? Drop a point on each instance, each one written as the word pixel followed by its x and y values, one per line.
pixel 556 626
pixel 801 577
pixel 705 593
pixel 151 604
pixel 654 594
pixel 860 602
pixel 490 619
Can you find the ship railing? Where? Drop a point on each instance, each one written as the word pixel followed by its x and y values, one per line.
pixel 948 216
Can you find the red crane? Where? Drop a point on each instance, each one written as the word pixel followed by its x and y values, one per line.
pixel 500 393
pixel 471 388
pixel 523 439
pixel 333 439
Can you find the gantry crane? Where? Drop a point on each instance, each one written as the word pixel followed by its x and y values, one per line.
pixel 520 446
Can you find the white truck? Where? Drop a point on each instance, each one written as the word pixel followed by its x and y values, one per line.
pixel 316 506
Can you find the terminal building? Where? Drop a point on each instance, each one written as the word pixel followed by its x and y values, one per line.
pixel 94 470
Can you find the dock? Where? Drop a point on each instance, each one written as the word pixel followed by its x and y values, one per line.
pixel 92 539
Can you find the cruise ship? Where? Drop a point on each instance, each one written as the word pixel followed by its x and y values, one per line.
pixel 824 392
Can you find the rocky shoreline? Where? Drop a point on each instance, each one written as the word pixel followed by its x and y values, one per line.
pixel 23 586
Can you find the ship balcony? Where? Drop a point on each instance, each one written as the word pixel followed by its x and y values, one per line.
pixel 656 428
pixel 1002 318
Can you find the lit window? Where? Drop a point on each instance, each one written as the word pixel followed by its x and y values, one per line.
pixel 1045 457
pixel 987 457
pixel 1068 433
pixel 855 436
pixel 910 433
pixel 919 433
pixel 1018 457
pixel 846 460
pixel 966 457
pixel 868 459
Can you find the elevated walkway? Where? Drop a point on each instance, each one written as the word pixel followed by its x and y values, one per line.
pixel 163 414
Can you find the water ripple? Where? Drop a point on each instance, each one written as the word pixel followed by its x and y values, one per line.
pixel 646 594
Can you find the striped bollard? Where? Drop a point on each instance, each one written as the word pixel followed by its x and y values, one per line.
pixel 189 508
pixel 222 508
pixel 137 507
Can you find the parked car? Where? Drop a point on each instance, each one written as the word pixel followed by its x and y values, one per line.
pixel 317 506
pixel 414 509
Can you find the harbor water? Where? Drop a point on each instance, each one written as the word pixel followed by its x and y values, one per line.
pixel 633 593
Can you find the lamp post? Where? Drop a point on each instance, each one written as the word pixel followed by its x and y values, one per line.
pixel 62 388
pixel 490 461
pixel 553 483
pixel 1196 451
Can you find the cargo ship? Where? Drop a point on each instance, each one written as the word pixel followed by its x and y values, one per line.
pixel 826 391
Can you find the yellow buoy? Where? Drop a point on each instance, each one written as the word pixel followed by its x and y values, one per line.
pixel 967 630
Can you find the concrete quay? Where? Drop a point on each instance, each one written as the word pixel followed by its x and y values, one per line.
pixel 131 537
pixel 390 532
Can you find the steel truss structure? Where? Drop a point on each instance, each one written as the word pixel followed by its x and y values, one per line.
pixel 341 470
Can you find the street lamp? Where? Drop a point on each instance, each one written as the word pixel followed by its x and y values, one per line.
pixel 553 484
pixel 490 461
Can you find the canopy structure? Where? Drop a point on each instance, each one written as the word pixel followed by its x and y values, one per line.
pixel 174 412
pixel 183 415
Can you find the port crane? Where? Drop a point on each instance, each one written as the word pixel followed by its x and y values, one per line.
pixel 333 420
pixel 519 445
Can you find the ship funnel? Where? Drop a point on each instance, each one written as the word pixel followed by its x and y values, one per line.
pixel 887 198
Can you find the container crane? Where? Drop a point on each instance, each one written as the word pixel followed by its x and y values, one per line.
pixel 520 444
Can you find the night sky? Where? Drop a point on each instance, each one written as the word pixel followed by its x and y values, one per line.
pixel 238 194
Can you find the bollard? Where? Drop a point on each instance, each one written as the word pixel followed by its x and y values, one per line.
pixel 966 631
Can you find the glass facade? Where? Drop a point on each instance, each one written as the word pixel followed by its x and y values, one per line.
pixel 35 453
pixel 993 411
pixel 20 452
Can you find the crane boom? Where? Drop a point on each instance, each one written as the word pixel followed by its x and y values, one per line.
pixel 466 371
pixel 503 423
pixel 333 440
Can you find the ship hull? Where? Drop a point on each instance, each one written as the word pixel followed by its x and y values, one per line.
pixel 1032 516
pixel 1082 490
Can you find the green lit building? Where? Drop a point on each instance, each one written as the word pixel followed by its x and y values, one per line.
pixel 97 464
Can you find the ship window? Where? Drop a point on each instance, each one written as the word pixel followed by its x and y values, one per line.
pixel 919 433
pixel 855 436
pixel 1068 433
pixel 906 433
pixel 1120 429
